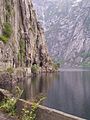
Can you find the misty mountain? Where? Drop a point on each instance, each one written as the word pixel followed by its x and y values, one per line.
pixel 67 29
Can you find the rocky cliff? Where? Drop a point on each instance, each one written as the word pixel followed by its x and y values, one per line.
pixel 67 25
pixel 22 41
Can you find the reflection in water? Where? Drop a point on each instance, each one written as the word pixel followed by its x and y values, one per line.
pixel 37 86
pixel 68 91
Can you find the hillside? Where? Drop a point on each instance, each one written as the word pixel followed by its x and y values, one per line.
pixel 67 25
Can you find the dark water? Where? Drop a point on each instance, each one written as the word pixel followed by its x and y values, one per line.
pixel 67 91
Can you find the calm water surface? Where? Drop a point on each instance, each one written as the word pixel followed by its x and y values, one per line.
pixel 67 91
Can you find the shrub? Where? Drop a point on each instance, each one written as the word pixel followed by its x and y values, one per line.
pixel 18 92
pixel 10 70
pixel 7 31
pixel 35 68
pixel 4 39
pixel 56 66
pixel 9 106
pixel 31 114
pixel 85 54
pixel 85 64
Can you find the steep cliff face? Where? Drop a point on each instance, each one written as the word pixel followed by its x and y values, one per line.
pixel 68 30
pixel 22 41
pixel 78 34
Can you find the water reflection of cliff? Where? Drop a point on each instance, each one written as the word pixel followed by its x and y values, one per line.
pixel 38 86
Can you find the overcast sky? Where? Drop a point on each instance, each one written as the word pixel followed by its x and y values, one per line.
pixel 79 0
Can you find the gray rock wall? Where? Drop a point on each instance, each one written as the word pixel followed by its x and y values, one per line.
pixel 25 44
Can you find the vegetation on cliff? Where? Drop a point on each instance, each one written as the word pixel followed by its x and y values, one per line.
pixel 6 32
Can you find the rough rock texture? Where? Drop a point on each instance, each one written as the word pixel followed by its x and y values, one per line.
pixel 24 45
pixel 67 24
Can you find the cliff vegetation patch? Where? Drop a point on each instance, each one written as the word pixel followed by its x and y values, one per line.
pixel 6 32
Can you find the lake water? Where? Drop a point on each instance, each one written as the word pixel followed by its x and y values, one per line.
pixel 67 91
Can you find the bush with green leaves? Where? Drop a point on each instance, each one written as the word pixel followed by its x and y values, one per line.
pixel 10 70
pixel 85 64
pixel 9 104
pixel 31 114
pixel 35 68
pixel 6 34
pixel 7 29
pixel 18 92
pixel 56 66
pixel 4 39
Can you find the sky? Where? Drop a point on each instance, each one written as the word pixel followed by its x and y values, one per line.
pixel 79 0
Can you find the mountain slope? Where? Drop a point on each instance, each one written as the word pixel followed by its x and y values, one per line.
pixel 67 26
